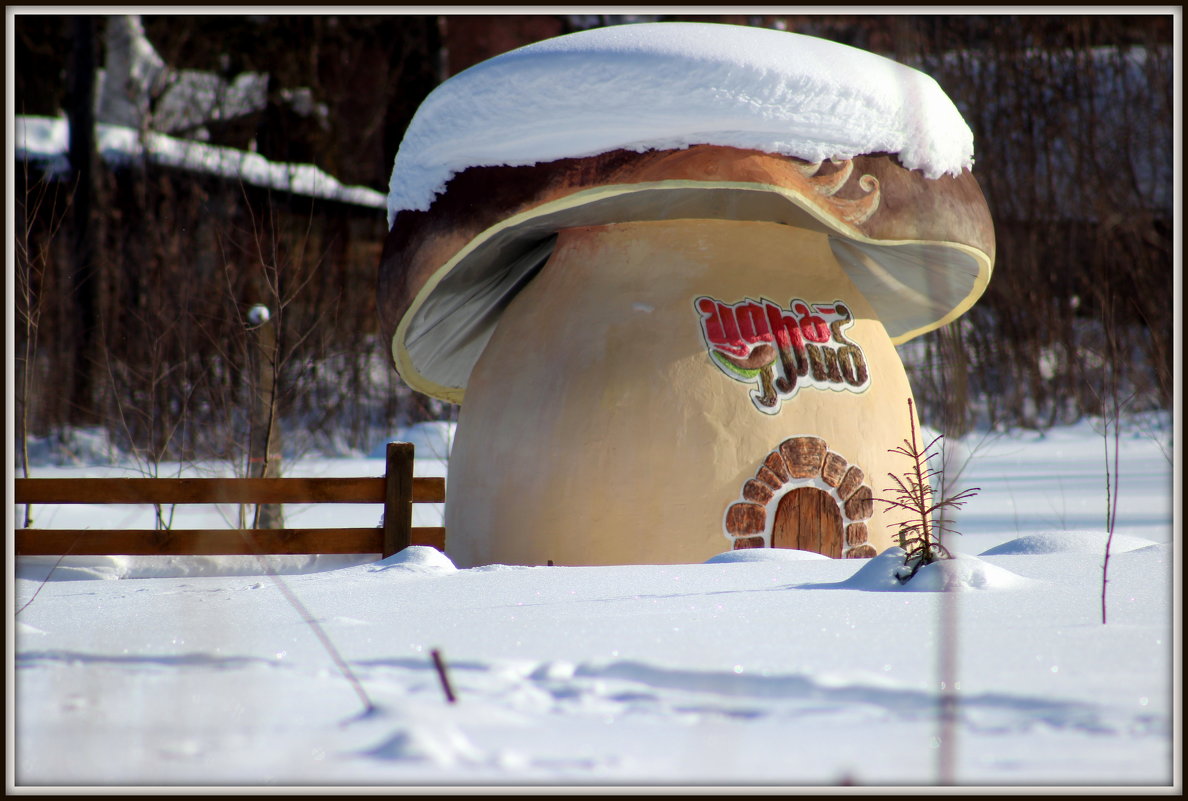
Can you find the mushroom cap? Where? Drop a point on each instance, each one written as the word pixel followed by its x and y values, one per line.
pixel 905 218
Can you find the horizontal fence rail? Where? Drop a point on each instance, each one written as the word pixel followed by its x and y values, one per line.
pixel 397 490
pixel 217 490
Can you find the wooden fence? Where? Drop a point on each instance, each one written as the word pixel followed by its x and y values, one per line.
pixel 397 490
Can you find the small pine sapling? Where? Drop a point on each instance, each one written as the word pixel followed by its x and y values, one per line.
pixel 919 536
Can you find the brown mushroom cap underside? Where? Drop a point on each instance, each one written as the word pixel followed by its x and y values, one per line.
pixel 898 205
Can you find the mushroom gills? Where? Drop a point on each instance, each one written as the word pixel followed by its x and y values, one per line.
pixel 915 286
pixel 455 321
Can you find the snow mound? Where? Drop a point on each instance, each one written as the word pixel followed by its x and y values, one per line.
pixel 764 555
pixel 417 558
pixel 878 574
pixel 440 745
pixel 1067 542
pixel 961 573
pixel 670 85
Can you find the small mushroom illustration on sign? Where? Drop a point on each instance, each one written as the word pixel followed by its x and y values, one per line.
pixel 663 268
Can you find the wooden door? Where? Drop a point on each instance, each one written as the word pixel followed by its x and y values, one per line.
pixel 808 519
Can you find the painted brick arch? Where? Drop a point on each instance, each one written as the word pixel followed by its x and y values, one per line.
pixel 803 461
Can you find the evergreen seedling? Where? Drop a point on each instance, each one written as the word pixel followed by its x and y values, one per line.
pixel 919 535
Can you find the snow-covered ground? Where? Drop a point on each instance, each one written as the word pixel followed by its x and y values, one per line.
pixel 757 668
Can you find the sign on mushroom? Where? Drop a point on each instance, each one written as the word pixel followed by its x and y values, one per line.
pixel 748 338
pixel 677 336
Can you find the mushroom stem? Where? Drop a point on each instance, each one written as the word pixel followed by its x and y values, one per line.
pixel 566 450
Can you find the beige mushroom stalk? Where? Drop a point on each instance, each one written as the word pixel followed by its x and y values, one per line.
pixel 664 354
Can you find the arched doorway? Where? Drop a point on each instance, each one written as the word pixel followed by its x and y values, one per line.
pixel 804 468
pixel 808 519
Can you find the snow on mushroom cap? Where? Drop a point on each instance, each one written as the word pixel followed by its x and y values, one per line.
pixel 670 85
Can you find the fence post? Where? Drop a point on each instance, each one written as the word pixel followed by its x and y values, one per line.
pixel 398 497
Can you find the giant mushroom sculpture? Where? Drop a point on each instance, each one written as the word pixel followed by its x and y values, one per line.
pixel 665 265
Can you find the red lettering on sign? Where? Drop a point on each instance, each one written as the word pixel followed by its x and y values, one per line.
pixel 720 327
pixel 813 327
pixel 752 323
pixel 790 343
pixel 732 339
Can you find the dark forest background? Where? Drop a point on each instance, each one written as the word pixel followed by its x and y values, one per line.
pixel 133 280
